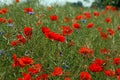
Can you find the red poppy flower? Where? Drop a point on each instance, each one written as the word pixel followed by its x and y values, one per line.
pixel 32 70
pixel 21 38
pixel 85 51
pixel 2 20
pixel 114 8
pixel 26 76
pixel 85 76
pixel 98 61
pixel 109 73
pixel 108 7
pixel 57 71
pixel 95 68
pixel 99 29
pixel 87 15
pixel 42 77
pixel 103 35
pixel 96 14
pixel 35 69
pixel 108 20
pixel 61 38
pixel 27 10
pixel 15 59
pixel 104 51
pixel 13 43
pixel 55 36
pixel 52 36
pixel 111 32
pixel 66 30
pixel 17 0
pixel 79 17
pixel 10 20
pixel 118 27
pixel 28 32
pixel 116 60
pixel 90 25
pixel 25 61
pixel 3 11
pixel 53 17
pixel 19 78
pixel 45 29
pixel 117 71
pixel 76 25
pixel 118 77
pixel 37 66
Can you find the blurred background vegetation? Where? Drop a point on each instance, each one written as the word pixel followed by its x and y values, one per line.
pixel 98 3
pixel 103 3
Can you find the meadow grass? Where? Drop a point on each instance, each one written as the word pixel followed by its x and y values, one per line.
pixel 47 52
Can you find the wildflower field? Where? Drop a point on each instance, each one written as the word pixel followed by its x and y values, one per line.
pixel 59 42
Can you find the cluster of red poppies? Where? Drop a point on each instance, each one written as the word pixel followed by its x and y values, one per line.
pixel 98 64
pixel 32 70
pixel 21 39
pixel 3 11
pixel 3 20
pixel 52 35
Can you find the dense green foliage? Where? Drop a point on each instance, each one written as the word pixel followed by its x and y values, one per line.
pixel 47 52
